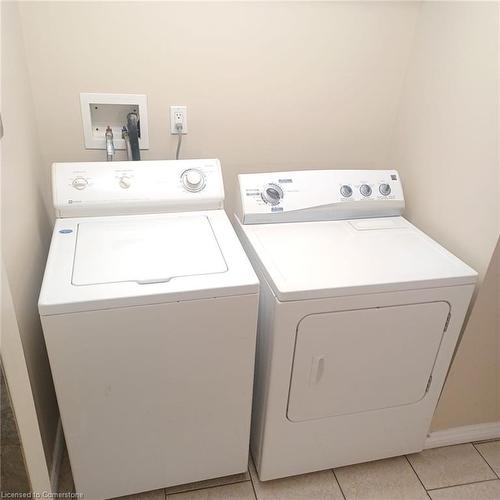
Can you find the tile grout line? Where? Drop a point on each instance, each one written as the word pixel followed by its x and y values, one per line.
pixel 416 474
pixel 463 484
pixel 338 482
pixel 206 487
pixel 482 456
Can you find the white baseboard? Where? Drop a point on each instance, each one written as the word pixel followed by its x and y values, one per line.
pixel 57 455
pixel 465 434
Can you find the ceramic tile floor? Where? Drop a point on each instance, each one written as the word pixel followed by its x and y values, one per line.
pixel 462 472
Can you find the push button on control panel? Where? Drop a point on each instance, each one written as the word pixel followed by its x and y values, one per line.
pixel 346 191
pixel 384 189
pixel 80 183
pixel 365 190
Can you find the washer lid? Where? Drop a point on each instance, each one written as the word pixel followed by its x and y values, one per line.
pixel 110 262
pixel 152 251
pixel 306 260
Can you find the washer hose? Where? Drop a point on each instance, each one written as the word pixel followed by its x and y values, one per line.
pixel 133 135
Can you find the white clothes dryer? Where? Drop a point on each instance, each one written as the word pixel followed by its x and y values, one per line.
pixel 359 316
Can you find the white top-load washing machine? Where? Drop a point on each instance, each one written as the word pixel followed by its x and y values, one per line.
pixel 359 317
pixel 149 311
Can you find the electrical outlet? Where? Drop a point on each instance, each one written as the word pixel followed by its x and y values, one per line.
pixel 178 117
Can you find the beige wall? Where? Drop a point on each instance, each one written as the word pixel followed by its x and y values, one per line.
pixel 446 148
pixel 303 85
pixel 25 222
pixel 267 85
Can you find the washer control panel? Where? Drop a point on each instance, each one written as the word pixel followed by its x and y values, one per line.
pixel 310 195
pixel 123 187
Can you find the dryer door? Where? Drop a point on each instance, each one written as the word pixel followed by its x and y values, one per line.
pixel 368 359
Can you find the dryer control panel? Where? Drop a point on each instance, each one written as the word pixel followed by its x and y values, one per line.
pixel 310 195
pixel 136 187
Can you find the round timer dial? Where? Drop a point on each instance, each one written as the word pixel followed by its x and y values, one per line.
pixel 193 180
pixel 272 194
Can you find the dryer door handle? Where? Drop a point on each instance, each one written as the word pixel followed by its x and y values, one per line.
pixel 317 369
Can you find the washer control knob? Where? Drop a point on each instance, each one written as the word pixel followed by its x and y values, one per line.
pixel 365 190
pixel 125 182
pixel 80 183
pixel 272 194
pixel 384 189
pixel 346 191
pixel 193 180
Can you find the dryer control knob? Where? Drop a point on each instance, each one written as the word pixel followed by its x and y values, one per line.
pixel 272 194
pixel 384 189
pixel 125 182
pixel 193 180
pixel 346 191
pixel 365 190
pixel 80 183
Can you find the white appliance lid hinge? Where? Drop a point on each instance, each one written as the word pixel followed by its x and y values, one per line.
pixel 429 382
pixel 447 322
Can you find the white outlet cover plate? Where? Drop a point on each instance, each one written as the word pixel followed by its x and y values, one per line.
pixel 183 110
pixel 117 105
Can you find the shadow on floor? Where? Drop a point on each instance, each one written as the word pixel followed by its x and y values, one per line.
pixel 14 478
